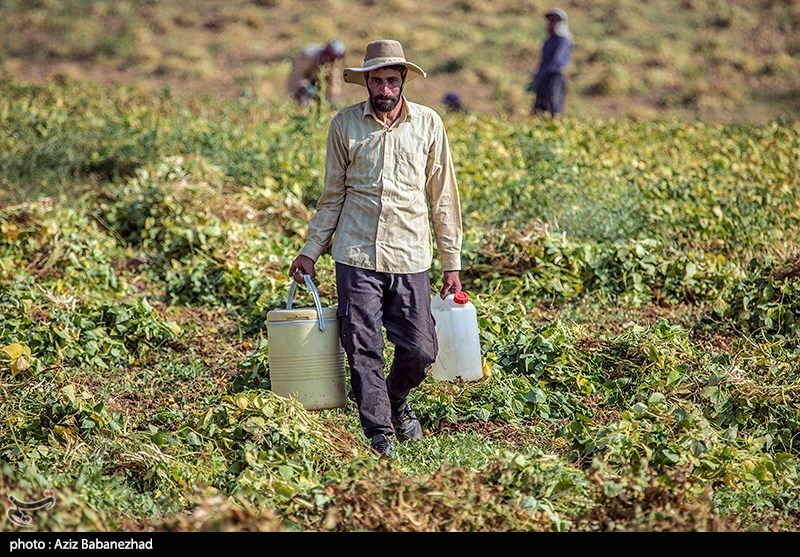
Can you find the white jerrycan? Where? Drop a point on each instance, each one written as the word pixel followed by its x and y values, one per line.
pixel 459 342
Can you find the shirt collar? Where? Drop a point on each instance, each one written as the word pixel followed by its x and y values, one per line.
pixel 406 112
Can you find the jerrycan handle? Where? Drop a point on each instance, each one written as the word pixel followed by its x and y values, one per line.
pixel 290 299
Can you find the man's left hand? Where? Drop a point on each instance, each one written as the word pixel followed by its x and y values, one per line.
pixel 452 284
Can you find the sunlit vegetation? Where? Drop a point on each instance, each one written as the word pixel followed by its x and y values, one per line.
pixel 637 287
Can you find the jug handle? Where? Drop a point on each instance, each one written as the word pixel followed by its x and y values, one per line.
pixel 290 299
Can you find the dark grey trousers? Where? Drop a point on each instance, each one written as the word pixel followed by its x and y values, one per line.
pixel 369 301
pixel 550 95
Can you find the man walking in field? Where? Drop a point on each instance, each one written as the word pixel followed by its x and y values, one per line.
pixel 388 164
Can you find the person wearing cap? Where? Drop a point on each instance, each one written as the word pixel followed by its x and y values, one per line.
pixel 388 171
pixel 549 82
pixel 317 64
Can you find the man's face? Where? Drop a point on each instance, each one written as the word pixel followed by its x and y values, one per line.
pixel 385 88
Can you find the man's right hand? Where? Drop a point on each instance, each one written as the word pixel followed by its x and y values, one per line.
pixel 302 265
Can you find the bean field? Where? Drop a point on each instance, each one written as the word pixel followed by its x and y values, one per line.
pixel 637 285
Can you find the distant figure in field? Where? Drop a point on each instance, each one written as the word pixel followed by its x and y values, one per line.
pixel 452 102
pixel 549 82
pixel 317 64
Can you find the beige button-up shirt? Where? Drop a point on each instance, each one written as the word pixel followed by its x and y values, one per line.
pixel 380 182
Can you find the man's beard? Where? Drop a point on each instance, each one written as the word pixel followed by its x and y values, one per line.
pixel 383 103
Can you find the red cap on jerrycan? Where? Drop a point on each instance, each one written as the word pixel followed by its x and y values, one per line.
pixel 461 297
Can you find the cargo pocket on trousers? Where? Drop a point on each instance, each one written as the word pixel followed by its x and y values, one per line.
pixel 345 327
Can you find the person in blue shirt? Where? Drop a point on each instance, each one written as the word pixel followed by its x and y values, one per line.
pixel 549 82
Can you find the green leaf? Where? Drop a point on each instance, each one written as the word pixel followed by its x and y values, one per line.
pixel 69 392
pixel 672 457
pixel 683 417
pixel 655 398
pixel 88 424
pixel 697 447
pixel 674 375
pixel 286 472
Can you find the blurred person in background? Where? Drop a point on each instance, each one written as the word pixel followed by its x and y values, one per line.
pixel 317 65
pixel 452 102
pixel 549 83
pixel 389 175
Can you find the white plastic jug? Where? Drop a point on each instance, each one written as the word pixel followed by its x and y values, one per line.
pixel 306 359
pixel 459 341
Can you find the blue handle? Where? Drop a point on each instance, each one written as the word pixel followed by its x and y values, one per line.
pixel 290 299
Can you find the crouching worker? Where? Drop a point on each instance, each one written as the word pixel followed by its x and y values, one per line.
pixel 316 66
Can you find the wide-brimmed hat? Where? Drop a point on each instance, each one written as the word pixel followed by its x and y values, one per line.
pixel 380 54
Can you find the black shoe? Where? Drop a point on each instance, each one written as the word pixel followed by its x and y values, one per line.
pixel 382 445
pixel 406 424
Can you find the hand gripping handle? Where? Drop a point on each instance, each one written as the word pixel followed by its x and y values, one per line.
pixel 290 299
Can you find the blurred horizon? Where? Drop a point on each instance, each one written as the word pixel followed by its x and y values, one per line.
pixel 727 62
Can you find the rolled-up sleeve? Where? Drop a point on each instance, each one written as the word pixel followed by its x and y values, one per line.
pixel 329 207
pixel 442 195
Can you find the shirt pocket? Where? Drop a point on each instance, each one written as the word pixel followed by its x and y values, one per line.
pixel 410 167
pixel 366 157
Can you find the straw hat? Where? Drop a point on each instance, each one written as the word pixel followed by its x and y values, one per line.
pixel 380 54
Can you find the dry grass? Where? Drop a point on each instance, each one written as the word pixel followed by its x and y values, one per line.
pixel 711 61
